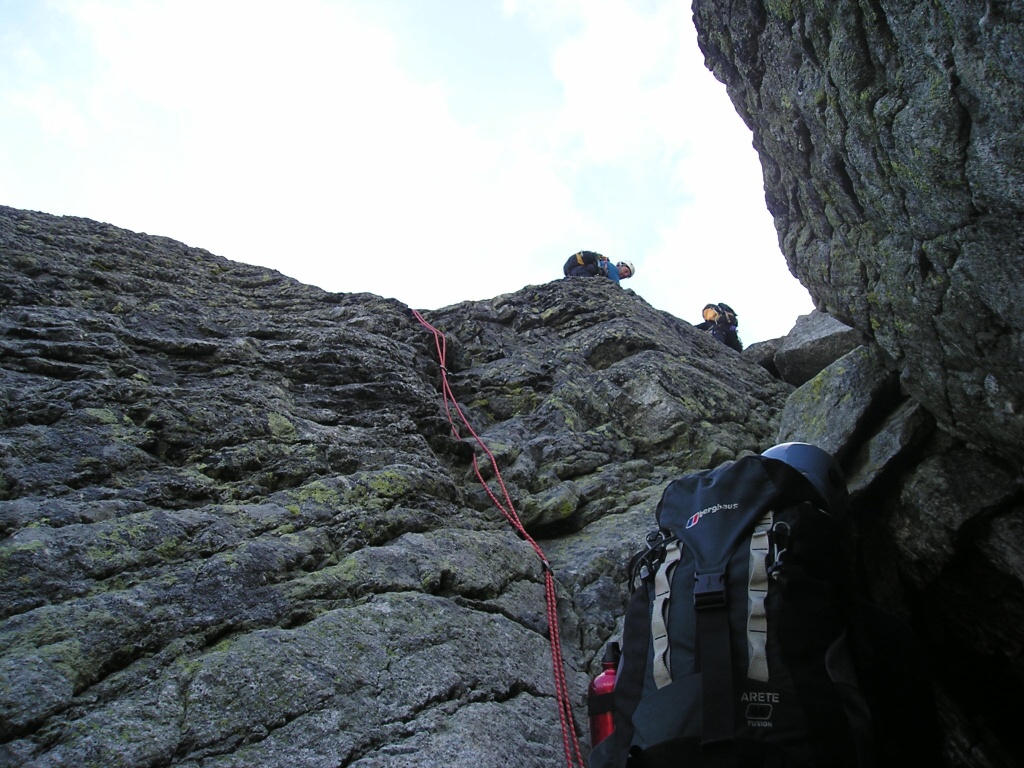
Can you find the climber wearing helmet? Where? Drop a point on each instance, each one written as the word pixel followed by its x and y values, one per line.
pixel 624 269
pixel 593 264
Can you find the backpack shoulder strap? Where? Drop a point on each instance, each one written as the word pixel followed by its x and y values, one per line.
pixel 629 681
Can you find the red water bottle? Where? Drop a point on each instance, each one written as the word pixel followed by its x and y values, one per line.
pixel 599 696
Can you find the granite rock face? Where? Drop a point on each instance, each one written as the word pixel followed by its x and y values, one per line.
pixel 239 527
pixel 889 136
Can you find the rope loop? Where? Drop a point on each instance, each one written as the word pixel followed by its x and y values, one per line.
pixel 573 756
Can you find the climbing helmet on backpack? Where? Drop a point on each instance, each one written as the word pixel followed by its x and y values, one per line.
pixel 820 469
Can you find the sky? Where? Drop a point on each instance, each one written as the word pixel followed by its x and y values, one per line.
pixel 431 151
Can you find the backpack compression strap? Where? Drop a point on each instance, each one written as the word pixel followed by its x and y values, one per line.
pixel 715 657
pixel 757 591
pixel 659 614
pixel 709 599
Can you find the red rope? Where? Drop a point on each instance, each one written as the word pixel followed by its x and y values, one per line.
pixel 573 756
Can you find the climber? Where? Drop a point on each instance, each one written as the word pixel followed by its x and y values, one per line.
pixel 720 320
pixel 593 264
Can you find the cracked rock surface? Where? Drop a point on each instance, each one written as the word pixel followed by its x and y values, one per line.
pixel 238 530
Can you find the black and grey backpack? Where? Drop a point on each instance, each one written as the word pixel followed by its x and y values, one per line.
pixel 743 642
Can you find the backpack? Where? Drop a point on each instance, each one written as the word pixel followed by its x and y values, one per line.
pixel 720 319
pixel 584 264
pixel 741 636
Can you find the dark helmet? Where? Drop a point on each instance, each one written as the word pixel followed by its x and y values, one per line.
pixel 818 466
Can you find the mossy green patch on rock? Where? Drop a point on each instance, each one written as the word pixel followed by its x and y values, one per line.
pixel 318 493
pixel 104 416
pixel 782 9
pixel 281 427
pixel 389 483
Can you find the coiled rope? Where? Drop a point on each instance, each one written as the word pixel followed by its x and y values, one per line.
pixel 573 756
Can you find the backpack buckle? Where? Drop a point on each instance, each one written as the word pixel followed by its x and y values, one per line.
pixel 708 590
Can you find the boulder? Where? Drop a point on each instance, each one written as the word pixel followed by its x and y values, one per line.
pixel 816 341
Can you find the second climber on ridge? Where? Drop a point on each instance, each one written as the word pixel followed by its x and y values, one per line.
pixel 721 322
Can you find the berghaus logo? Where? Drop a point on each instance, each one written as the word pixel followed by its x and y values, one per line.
pixel 695 518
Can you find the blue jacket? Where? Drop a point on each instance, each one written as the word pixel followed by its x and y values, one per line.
pixel 612 272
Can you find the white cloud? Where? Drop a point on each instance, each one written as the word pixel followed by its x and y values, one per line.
pixel 307 140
